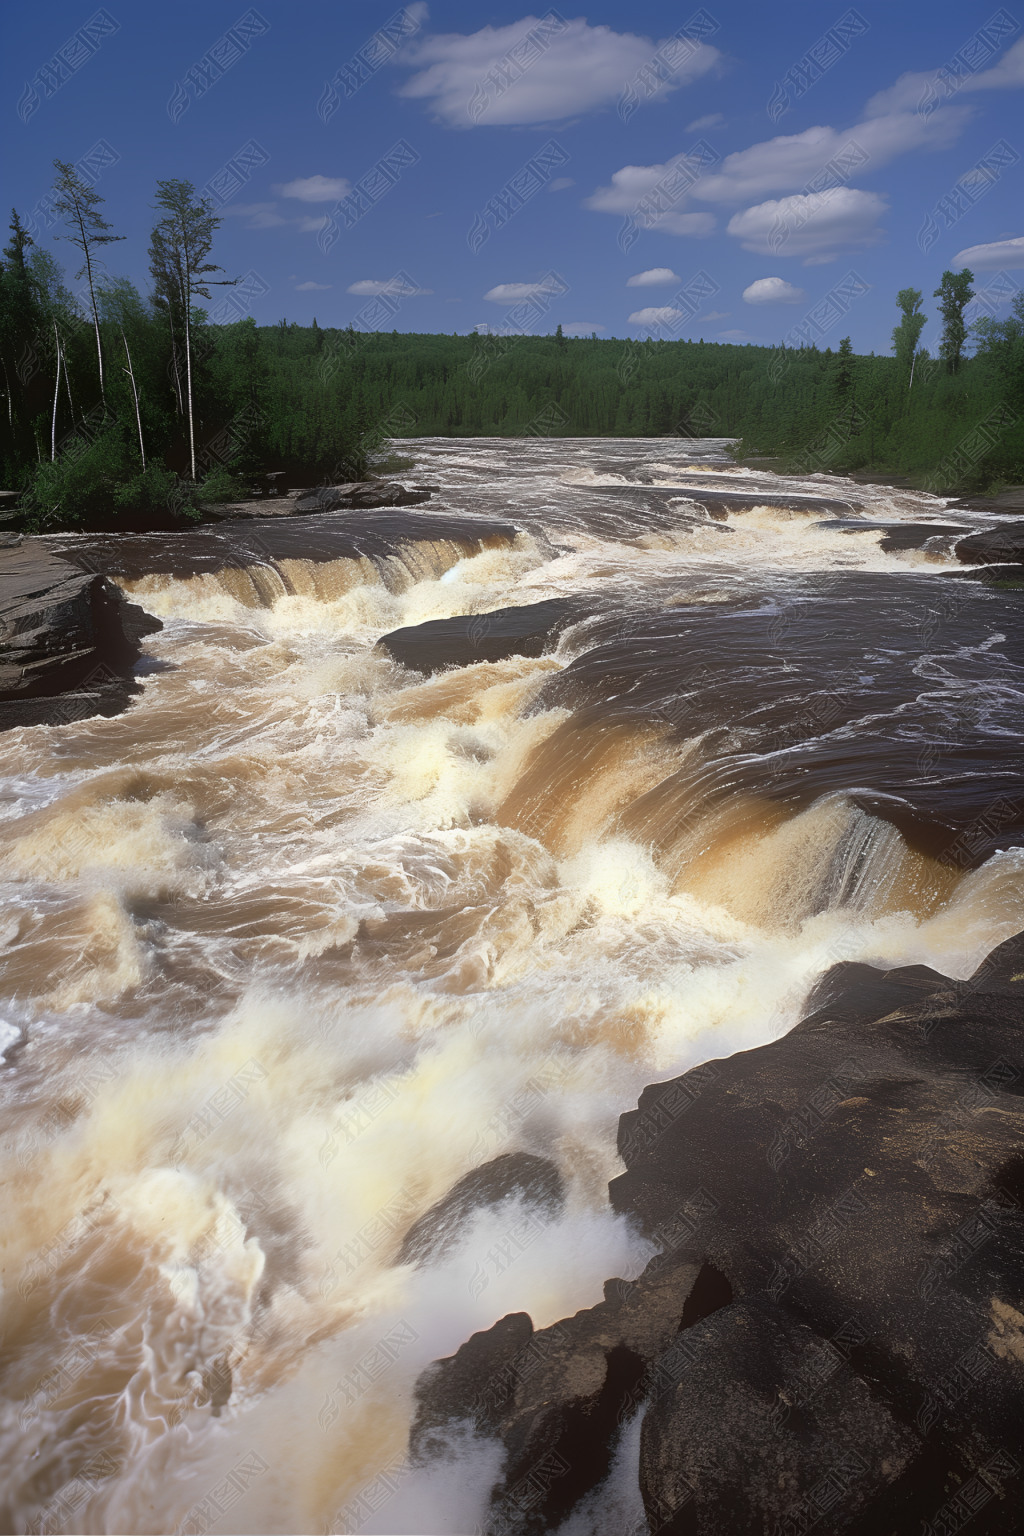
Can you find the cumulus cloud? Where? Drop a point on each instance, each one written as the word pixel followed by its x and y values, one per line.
pixel 560 183
pixel 993 257
pixel 315 189
pixel 772 290
pixel 312 287
pixel 654 277
pixel 514 293
pixel 812 224
pixel 790 161
pixel 395 287
pixel 713 120
pixel 633 182
pixel 581 328
pixel 927 88
pixel 629 185
pixel 576 68
pixel 664 315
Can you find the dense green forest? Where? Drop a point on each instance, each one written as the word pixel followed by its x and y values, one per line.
pixel 119 404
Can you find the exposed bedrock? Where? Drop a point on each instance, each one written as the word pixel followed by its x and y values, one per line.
pixel 996 546
pixel 266 541
pixel 459 642
pixel 68 640
pixel 833 1329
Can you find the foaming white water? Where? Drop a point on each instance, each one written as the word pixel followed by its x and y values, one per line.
pixel 286 969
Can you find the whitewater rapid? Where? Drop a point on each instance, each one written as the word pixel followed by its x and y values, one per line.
pixel 303 938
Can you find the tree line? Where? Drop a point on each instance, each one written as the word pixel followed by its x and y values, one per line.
pixel 118 403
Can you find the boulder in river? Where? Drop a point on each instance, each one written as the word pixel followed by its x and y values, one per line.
pixel 469 638
pixel 833 1329
pixel 996 546
pixel 514 1176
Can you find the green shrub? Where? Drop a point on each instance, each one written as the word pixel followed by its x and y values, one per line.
pixel 81 484
pixel 221 485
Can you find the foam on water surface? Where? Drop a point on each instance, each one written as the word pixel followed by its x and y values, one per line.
pixel 303 939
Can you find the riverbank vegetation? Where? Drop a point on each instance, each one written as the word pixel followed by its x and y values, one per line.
pixel 120 404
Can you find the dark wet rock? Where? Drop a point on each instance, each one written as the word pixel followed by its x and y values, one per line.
pixel 360 494
pixel 558 1396
pixel 996 546
pixel 459 642
pixel 534 1182
pixel 834 1331
pixel 68 640
pixel 895 536
pixel 1007 577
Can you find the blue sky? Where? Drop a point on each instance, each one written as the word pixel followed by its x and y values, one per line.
pixel 732 171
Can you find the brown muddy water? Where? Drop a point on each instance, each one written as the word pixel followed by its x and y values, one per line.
pixel 304 938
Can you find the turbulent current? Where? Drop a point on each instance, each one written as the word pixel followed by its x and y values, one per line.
pixel 305 937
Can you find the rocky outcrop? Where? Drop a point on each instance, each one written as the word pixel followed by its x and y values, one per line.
pixel 896 536
pixel 68 639
pixel 462 641
pixel 996 546
pixel 249 542
pixel 833 1329
pixel 362 494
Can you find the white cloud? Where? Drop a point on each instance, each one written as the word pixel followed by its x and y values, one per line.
pixel 629 185
pixel 1007 75
pixel 926 88
pixel 713 120
pixel 576 69
pixel 580 328
pixel 310 223
pixel 259 215
pixel 654 277
pixel 656 316
pixel 772 290
pixel 736 335
pixel 993 257
pixel 633 182
pixel 810 225
pixel 394 286
pixel 560 183
pixel 312 287
pixel 790 161
pixel 513 293
pixel 315 189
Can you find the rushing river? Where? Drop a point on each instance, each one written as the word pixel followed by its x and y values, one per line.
pixel 303 938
